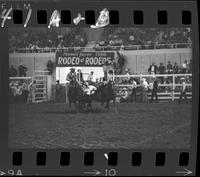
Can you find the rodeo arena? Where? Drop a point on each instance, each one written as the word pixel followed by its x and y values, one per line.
pixel 100 88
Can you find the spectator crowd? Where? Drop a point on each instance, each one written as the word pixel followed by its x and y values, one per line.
pixel 45 39
pixel 21 71
pixel 144 38
pixel 111 39
pixel 186 67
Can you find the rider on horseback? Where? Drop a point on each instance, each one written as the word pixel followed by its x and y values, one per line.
pixel 71 82
pixel 71 77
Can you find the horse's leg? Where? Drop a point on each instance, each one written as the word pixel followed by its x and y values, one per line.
pixel 80 105
pixel 114 102
pixel 75 103
pixel 107 105
pixel 90 105
pixel 70 104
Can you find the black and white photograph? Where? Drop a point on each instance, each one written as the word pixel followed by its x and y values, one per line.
pixel 100 88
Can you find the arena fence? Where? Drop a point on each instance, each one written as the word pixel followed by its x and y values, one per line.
pixel 40 77
pixel 168 91
pixel 16 87
pixel 104 48
pixel 40 95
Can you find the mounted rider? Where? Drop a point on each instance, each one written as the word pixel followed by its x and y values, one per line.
pixel 71 77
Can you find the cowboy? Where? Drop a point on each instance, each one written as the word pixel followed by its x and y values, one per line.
pixel 90 78
pixel 71 75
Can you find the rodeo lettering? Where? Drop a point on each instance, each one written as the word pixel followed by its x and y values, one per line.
pixel 88 61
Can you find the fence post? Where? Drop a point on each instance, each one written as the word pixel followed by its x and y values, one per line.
pixel 113 76
pixel 173 87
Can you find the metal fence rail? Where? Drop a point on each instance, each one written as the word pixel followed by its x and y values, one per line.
pixel 161 95
pixel 104 48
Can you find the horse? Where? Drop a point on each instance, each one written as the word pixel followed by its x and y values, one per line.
pixel 72 93
pixel 77 95
pixel 105 93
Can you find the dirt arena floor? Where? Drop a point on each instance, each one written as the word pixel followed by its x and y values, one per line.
pixel 129 125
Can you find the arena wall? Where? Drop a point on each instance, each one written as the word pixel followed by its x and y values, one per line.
pixel 137 60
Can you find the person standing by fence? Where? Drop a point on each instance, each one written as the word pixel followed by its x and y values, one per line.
pixel 31 94
pixel 183 90
pixel 134 87
pixel 58 90
pixel 144 86
pixel 12 71
pixel 154 90
pixel 22 70
pixel 153 69
pixel 105 70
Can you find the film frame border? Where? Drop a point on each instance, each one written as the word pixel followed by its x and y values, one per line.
pixel 124 156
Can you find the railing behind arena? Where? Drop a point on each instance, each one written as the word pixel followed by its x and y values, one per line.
pixel 40 77
pixel 104 48
pixel 173 94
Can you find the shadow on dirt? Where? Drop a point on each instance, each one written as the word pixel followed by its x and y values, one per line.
pixel 94 111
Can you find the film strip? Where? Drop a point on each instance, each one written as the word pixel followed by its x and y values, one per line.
pixel 99 88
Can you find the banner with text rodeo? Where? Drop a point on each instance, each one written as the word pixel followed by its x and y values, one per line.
pixel 83 58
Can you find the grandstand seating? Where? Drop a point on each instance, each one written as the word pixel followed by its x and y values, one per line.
pixel 47 40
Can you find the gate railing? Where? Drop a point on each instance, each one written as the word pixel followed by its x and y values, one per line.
pixel 172 95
